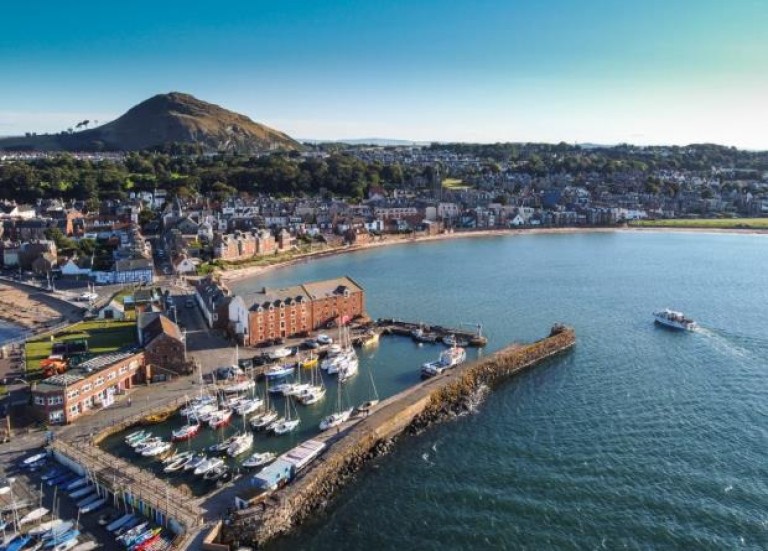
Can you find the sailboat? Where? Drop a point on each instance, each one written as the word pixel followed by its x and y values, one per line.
pixel 309 362
pixel 366 406
pixel 240 443
pixel 339 416
pixel 287 424
pixel 315 392
pixel 351 364
pixel 263 420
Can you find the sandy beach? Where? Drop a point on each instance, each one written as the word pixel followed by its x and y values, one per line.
pixel 235 273
pixel 30 309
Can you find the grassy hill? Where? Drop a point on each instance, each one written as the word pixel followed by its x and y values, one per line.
pixel 160 120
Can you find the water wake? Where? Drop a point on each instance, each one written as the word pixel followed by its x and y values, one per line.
pixel 725 343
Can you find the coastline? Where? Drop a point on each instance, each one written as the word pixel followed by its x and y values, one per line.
pixel 30 310
pixel 237 274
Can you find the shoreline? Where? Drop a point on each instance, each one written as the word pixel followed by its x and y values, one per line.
pixel 238 274
pixel 30 311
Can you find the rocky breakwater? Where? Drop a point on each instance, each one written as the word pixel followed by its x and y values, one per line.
pixel 411 411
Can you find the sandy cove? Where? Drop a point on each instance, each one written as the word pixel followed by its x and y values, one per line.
pixel 235 274
pixel 31 309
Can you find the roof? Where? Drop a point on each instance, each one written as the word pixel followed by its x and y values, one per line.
pixel 85 369
pixel 115 305
pixel 275 297
pixel 131 264
pixel 331 287
pixel 158 326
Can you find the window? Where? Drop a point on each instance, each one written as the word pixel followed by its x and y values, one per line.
pixel 40 400
pixel 73 394
pixel 51 400
pixel 111 376
pixel 73 409
pixel 87 387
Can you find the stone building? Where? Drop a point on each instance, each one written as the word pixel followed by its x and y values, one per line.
pixel 164 344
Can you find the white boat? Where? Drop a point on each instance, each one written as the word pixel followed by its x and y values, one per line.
pixel 349 370
pixel 157 449
pixel 312 395
pixel 86 546
pixel 148 443
pixel 279 353
pixel 240 445
pixel 242 386
pixel 281 388
pixel 199 410
pixel 208 464
pixel 49 526
pixel 249 405
pixel 259 460
pixel 674 320
pixel 294 389
pixel 195 462
pixel 264 420
pixel 286 426
pixel 448 358
pixel 179 463
pixel 34 459
pixel 287 423
pixel 32 516
pixel 219 418
pixel 337 417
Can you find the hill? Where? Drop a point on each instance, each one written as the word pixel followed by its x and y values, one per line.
pixel 160 120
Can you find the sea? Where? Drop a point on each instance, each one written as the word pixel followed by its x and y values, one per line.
pixel 639 438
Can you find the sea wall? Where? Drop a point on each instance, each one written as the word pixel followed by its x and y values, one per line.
pixel 411 411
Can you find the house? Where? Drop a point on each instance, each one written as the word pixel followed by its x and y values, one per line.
pixel 133 270
pixel 164 344
pixel 112 311
pixel 75 267
pixel 213 300
pixel 44 263
pixel 183 265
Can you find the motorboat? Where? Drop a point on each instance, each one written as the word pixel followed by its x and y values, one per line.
pixel 674 320
pixel 34 459
pixel 123 520
pixel 259 460
pixel 294 389
pixel 148 443
pixel 207 465
pixel 215 473
pixel 448 358
pixel 453 340
pixel 241 444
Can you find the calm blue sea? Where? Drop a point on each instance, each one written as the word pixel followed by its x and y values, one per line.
pixel 641 438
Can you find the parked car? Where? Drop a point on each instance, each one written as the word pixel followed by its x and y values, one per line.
pixel 324 339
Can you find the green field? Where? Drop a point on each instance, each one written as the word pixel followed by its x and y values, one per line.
pixel 706 223
pixel 102 336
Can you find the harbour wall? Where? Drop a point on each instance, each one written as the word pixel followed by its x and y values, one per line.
pixel 411 411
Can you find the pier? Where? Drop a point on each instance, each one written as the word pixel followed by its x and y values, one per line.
pixel 365 437
pixel 425 332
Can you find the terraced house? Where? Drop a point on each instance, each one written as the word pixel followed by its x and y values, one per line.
pixel 295 311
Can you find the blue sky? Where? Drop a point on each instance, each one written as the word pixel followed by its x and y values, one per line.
pixel 605 71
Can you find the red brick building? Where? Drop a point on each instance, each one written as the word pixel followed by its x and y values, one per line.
pixel 243 245
pixel 89 387
pixel 294 311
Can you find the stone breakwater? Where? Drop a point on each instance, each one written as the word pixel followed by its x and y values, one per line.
pixel 409 412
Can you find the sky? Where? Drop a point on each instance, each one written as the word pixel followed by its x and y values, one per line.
pixel 597 71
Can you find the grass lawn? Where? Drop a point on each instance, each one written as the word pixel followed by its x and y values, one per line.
pixel 102 336
pixel 713 223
